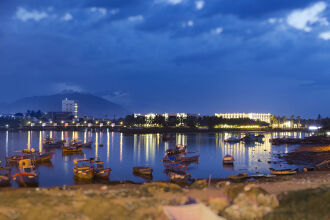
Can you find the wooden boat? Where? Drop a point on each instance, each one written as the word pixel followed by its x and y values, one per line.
pixel 16 158
pixel 28 174
pixel 282 172
pixel 83 170
pixel 35 157
pixel 5 176
pixel 52 143
pixel 99 170
pixel 143 170
pixel 240 176
pixel 181 159
pixel 324 165
pixel 178 176
pixel 233 139
pixel 79 143
pixel 71 149
pixel 176 167
pixel 228 159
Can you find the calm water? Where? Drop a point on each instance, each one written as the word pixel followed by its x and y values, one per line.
pixel 121 153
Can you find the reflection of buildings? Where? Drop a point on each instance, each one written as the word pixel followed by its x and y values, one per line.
pixel 265 117
pixel 169 117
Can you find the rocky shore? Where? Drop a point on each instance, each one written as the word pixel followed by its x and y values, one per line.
pixel 302 196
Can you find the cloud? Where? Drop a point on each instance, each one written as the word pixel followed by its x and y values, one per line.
pixel 136 18
pixel 102 11
pixel 199 4
pixel 189 23
pixel 25 15
pixel 217 30
pixel 303 19
pixel 67 17
pixel 170 2
pixel 325 35
pixel 65 87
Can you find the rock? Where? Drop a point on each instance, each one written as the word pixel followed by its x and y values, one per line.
pixel 103 188
pixel 199 184
pixel 159 186
pixel 221 184
pixel 305 170
pixel 218 204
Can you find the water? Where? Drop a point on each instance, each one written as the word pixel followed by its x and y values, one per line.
pixel 121 153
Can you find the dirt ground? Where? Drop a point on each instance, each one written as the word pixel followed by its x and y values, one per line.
pixel 302 196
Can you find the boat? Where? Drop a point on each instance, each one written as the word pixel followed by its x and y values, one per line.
pixel 28 174
pixel 83 169
pixel 181 148
pixel 178 176
pixel 282 172
pixel 240 176
pixel 79 143
pixel 233 139
pixel 248 138
pixel 181 159
pixel 175 167
pixel 52 143
pixel 35 157
pixel 71 149
pixel 143 171
pixel 167 138
pixel 99 170
pixel 324 165
pixel 228 159
pixel 5 176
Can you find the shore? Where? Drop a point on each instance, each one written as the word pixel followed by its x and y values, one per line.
pixel 305 194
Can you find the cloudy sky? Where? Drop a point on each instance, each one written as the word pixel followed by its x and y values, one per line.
pixel 200 56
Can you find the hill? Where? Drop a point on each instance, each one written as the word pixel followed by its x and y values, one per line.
pixel 89 105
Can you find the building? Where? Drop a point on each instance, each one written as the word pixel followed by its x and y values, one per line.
pixel 70 106
pixel 60 116
pixel 265 117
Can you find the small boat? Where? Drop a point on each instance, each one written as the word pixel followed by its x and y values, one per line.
pixel 16 158
pixel 99 170
pixel 83 169
pixel 35 157
pixel 142 170
pixel 5 176
pixel 324 165
pixel 71 149
pixel 228 159
pixel 28 174
pixel 233 139
pixel 180 159
pixel 282 172
pixel 176 167
pixel 240 176
pixel 178 176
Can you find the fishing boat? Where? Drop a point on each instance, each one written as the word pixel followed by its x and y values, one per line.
pixel 71 149
pixel 282 172
pixel 178 176
pixel 238 177
pixel 5 176
pixel 99 170
pixel 143 171
pixel 324 165
pixel 175 167
pixel 181 159
pixel 248 138
pixel 83 169
pixel 52 143
pixel 79 143
pixel 35 157
pixel 16 158
pixel 28 174
pixel 228 159
pixel 233 139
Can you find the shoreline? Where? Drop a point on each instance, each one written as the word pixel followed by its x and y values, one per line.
pixel 279 198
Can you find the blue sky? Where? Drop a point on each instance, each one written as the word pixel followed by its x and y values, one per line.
pixel 200 56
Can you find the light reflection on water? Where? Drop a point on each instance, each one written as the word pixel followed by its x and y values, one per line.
pixel 122 152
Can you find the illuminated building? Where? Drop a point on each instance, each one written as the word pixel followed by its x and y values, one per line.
pixel 265 117
pixel 70 106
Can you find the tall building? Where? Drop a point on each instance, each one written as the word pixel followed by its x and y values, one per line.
pixel 70 106
pixel 265 117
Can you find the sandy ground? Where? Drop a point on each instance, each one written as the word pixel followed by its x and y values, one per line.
pixel 131 201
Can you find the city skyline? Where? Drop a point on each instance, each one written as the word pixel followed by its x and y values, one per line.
pixel 200 56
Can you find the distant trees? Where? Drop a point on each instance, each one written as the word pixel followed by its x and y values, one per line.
pixel 35 114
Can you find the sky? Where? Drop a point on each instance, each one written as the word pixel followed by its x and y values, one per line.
pixel 195 56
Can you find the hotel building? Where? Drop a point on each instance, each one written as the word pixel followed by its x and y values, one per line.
pixel 265 117
pixel 70 106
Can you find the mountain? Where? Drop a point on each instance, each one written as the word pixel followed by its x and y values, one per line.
pixel 88 105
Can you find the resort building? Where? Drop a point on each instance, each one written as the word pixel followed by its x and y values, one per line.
pixel 265 117
pixel 70 106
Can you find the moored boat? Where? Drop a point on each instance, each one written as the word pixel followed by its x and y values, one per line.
pixel 5 176
pixel 143 170
pixel 99 170
pixel 324 165
pixel 28 174
pixel 238 177
pixel 233 139
pixel 283 171
pixel 82 169
pixel 178 176
pixel 228 159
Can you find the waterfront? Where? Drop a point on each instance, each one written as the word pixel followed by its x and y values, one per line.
pixel 121 153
